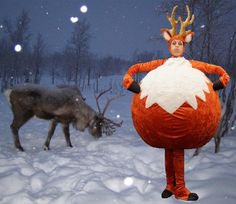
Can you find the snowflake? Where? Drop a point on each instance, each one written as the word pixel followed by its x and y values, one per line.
pixel 18 48
pixel 74 19
pixel 84 9
pixel 128 181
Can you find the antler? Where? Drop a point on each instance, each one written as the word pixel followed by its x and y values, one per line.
pixel 99 95
pixel 109 126
pixel 109 101
pixel 172 21
pixel 186 23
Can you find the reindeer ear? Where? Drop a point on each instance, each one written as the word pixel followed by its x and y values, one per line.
pixel 188 38
pixel 166 34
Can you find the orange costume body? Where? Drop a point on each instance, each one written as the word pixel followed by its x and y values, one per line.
pixel 189 124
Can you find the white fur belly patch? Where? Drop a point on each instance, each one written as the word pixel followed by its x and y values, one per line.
pixel 174 83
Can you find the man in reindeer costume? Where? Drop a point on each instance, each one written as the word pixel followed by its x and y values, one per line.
pixel 176 106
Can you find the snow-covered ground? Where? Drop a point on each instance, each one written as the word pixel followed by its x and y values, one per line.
pixel 119 169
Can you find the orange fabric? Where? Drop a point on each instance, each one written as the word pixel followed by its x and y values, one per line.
pixel 174 166
pixel 127 81
pixel 186 128
pixel 181 192
pixel 145 67
pixel 142 67
pixel 170 172
pixel 211 69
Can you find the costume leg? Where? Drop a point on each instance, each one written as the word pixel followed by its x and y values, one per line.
pixel 181 192
pixel 170 175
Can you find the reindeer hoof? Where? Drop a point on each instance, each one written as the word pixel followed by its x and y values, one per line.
pixel 20 149
pixel 46 148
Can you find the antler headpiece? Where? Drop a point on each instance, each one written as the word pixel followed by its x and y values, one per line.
pixel 183 35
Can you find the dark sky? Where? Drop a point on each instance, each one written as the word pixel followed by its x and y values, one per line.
pixel 118 27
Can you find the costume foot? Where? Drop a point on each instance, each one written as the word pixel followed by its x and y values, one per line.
pixel 166 194
pixel 192 197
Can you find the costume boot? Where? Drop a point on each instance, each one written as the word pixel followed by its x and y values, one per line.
pixel 170 175
pixel 181 192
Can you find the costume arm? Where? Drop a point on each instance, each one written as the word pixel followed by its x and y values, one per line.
pixel 142 67
pixel 212 69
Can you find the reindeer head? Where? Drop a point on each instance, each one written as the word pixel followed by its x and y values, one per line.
pixel 183 36
pixel 100 124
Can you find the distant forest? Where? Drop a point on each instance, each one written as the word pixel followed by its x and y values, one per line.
pixel 72 65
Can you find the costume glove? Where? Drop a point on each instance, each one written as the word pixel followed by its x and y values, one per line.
pixel 217 85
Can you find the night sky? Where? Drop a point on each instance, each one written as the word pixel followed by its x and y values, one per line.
pixel 118 27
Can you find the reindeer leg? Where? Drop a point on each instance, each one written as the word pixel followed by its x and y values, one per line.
pixel 66 130
pixel 50 134
pixel 18 121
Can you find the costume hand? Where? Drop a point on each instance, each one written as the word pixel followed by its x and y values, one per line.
pixel 134 87
pixel 130 84
pixel 217 85
pixel 225 79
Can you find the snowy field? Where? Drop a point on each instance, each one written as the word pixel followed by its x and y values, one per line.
pixel 120 169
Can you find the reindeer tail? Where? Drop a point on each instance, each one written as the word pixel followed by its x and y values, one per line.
pixel 7 93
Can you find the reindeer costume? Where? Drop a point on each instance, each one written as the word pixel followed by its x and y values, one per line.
pixel 176 106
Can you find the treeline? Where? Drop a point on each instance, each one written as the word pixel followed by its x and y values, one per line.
pixel 76 64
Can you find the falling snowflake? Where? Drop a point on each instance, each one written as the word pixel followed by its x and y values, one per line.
pixel 74 19
pixel 128 181
pixel 118 116
pixel 18 48
pixel 202 26
pixel 84 9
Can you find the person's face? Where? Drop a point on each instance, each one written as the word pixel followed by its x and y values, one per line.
pixel 177 48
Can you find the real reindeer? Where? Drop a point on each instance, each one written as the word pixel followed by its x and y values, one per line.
pixel 63 104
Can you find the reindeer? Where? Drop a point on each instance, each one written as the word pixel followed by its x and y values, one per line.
pixel 63 104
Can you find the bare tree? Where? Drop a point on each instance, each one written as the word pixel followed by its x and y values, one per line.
pixel 37 58
pixel 56 62
pixel 17 61
pixel 228 109
pixel 78 46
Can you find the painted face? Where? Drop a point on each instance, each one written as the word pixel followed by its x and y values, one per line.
pixel 177 48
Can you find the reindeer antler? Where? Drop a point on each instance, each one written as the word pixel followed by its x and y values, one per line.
pixel 99 95
pixel 109 126
pixel 109 101
pixel 186 23
pixel 172 21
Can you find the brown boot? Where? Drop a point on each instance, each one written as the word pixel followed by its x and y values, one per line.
pixel 181 192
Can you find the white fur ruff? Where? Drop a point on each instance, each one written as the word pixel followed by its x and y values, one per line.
pixel 174 83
